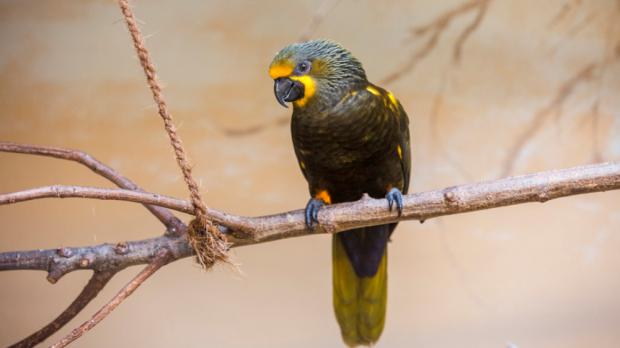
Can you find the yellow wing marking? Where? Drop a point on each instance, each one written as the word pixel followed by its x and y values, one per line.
pixel 373 90
pixel 392 99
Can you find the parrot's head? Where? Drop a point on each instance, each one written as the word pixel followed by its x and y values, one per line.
pixel 318 72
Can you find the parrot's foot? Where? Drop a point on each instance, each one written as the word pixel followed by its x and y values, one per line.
pixel 395 196
pixel 312 211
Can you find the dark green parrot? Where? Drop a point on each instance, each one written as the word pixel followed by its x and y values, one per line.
pixel 350 137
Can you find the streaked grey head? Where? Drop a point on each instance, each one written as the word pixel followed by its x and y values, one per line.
pixel 316 73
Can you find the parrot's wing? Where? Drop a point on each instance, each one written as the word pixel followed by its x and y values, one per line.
pixel 375 102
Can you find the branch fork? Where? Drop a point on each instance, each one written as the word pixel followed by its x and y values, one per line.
pixel 108 259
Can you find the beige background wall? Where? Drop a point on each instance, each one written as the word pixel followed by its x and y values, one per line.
pixel 532 275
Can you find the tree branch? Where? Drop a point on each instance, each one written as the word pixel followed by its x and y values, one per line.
pixel 107 259
pixel 101 258
pixel 97 282
pixel 63 191
pixel 165 216
pixel 162 258
pixel 539 187
pixel 146 198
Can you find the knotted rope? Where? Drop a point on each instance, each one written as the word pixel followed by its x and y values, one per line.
pixel 207 241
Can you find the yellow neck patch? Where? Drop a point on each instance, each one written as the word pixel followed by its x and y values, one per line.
pixel 309 88
pixel 283 69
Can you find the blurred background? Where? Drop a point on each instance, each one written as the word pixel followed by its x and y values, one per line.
pixel 493 88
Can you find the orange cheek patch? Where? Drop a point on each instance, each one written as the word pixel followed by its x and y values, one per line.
pixel 280 70
pixel 324 195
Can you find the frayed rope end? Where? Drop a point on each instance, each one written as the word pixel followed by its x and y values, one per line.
pixel 208 243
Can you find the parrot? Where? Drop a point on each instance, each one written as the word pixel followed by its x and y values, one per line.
pixel 351 138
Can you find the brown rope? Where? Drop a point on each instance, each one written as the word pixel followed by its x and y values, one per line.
pixel 209 244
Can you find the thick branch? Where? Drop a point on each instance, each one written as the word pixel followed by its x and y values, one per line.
pixel 107 259
pixel 165 216
pixel 90 291
pixel 539 187
pixel 101 258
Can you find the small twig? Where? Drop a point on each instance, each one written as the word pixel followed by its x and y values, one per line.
pixel 62 191
pixel 90 291
pixel 162 258
pixel 164 215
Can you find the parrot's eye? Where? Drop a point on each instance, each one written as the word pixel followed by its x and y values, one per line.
pixel 303 67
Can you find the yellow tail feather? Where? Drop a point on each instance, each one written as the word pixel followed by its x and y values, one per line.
pixel 359 303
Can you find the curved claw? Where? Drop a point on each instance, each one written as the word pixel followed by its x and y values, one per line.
pixel 395 196
pixel 312 211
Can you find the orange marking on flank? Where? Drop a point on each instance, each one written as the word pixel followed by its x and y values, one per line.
pixel 324 195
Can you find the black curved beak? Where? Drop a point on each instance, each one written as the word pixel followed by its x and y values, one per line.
pixel 287 90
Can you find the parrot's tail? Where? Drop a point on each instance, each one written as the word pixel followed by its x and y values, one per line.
pixel 359 261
